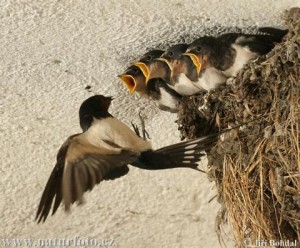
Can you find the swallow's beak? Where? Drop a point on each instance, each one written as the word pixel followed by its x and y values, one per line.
pixel 129 82
pixel 165 61
pixel 105 102
pixel 110 98
pixel 196 61
pixel 144 68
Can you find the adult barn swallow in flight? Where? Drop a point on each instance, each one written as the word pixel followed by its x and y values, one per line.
pixel 102 152
pixel 148 77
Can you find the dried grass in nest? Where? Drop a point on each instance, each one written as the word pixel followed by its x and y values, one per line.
pixel 256 167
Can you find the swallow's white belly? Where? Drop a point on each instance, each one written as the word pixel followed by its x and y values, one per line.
pixel 184 86
pixel 167 99
pixel 243 55
pixel 210 79
pixel 112 130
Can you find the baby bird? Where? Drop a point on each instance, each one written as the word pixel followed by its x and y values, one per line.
pixel 229 52
pixel 148 77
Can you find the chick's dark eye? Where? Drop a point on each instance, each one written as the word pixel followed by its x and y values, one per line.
pixel 135 71
pixel 148 58
pixel 170 54
pixel 198 49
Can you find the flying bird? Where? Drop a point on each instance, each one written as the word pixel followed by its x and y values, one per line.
pixel 103 151
pixel 148 77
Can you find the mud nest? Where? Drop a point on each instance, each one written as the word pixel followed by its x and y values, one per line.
pixel 257 166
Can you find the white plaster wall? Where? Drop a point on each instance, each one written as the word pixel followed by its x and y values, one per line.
pixel 49 51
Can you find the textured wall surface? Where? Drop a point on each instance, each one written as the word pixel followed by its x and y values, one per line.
pixel 49 52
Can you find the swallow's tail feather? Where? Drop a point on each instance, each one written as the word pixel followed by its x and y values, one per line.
pixel 263 43
pixel 276 33
pixel 185 154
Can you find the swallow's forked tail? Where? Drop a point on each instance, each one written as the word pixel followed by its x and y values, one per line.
pixel 185 154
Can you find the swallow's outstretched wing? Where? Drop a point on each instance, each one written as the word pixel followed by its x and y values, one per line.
pixel 79 167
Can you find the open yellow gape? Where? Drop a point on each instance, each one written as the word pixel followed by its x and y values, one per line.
pixel 144 68
pixel 134 84
pixel 129 82
pixel 196 61
pixel 166 61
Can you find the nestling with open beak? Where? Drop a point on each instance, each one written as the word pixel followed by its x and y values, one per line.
pixel 229 52
pixel 133 80
pixel 190 75
pixel 102 152
pixel 149 79
pixel 184 73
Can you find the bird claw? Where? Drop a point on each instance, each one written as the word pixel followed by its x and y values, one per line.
pixel 144 131
pixel 136 129
pixel 145 134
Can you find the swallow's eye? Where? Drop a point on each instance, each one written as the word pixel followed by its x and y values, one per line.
pixel 135 70
pixel 170 54
pixel 198 49
pixel 148 58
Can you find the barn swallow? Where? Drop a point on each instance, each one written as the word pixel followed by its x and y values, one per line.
pixel 102 152
pixel 148 78
pixel 188 77
pixel 133 80
pixel 183 71
pixel 229 52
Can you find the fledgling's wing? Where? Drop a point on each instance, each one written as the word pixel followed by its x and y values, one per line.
pixel 228 38
pixel 257 43
pixel 79 167
pixel 275 34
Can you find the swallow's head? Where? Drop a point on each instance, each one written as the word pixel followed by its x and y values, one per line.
pixel 156 67
pixel 175 52
pixel 199 51
pixel 173 56
pixel 94 105
pixel 135 77
pixel 148 57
